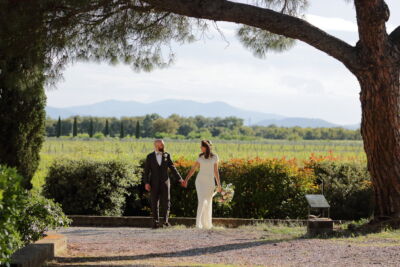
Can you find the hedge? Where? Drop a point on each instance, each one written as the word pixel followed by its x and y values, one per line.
pixel 347 187
pixel 264 188
pixel 90 187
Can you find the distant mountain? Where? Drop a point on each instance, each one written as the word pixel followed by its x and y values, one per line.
pixel 352 126
pixel 185 108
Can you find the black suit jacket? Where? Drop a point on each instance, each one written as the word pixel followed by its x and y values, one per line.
pixel 154 173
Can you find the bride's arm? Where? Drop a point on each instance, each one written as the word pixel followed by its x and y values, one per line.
pixel 191 172
pixel 216 173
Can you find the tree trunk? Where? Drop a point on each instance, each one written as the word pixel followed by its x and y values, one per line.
pixel 380 128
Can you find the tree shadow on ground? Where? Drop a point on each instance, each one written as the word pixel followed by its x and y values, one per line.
pixel 62 261
pixel 353 230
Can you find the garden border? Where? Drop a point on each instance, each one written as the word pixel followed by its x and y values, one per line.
pixel 138 221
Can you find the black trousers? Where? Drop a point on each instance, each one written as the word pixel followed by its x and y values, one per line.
pixel 160 196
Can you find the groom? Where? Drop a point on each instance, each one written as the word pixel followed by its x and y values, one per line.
pixel 157 182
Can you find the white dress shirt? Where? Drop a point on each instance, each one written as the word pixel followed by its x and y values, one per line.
pixel 159 157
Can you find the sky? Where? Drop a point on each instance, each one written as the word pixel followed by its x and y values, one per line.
pixel 301 82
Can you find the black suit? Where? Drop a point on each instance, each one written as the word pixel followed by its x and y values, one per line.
pixel 157 176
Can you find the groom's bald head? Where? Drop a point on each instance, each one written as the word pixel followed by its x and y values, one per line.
pixel 159 145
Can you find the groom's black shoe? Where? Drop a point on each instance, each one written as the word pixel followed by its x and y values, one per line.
pixel 156 225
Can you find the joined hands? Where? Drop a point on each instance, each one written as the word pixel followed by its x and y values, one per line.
pixel 183 183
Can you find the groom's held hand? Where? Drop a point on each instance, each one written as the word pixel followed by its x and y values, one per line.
pixel 182 182
pixel 147 187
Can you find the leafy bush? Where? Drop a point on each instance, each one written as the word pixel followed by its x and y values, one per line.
pixel 90 187
pixel 271 188
pixel 348 188
pixel 263 189
pixel 24 217
pixel 98 135
pixel 11 204
pixel 138 201
pixel 40 215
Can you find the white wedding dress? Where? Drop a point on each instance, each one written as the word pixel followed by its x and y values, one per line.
pixel 205 187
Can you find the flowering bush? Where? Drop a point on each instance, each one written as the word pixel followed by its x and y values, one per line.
pixel 264 188
pixel 276 188
pixel 24 217
pixel 40 215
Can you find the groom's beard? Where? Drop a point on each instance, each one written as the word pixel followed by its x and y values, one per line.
pixel 161 150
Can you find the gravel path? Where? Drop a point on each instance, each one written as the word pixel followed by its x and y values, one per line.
pixel 243 246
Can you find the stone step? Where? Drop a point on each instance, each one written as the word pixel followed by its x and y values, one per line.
pixel 36 254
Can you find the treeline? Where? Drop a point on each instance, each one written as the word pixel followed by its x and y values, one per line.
pixel 177 127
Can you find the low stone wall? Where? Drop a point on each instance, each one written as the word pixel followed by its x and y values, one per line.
pixel 36 254
pixel 125 221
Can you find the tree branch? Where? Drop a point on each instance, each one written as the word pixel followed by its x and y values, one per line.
pixel 372 16
pixel 266 19
pixel 395 36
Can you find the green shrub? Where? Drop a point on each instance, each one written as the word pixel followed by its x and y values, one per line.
pixel 11 204
pixel 24 217
pixel 348 188
pixel 90 187
pixel 22 112
pixel 99 135
pixel 40 215
pixel 137 202
pixel 263 189
pixel 277 188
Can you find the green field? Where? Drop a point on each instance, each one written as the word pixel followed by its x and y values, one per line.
pixel 134 150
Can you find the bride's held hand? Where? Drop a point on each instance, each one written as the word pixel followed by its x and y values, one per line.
pixel 185 183
pixel 219 189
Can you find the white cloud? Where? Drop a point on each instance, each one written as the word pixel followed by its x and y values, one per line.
pixel 332 24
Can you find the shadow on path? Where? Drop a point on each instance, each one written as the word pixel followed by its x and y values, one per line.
pixel 182 253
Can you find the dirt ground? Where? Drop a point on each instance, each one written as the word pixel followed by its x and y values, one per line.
pixel 250 246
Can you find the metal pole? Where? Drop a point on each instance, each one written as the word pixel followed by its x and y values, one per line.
pixel 322 186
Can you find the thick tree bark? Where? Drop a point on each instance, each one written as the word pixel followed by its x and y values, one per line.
pixel 380 100
pixel 378 75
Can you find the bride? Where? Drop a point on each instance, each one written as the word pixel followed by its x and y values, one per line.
pixel 205 184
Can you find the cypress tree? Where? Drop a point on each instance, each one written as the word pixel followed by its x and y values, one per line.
pixel 75 128
pixel 137 130
pixel 58 127
pixel 122 132
pixel 91 128
pixel 107 129
pixel 22 93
